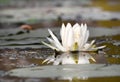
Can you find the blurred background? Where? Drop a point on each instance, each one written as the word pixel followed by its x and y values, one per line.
pixel 24 23
pixel 51 13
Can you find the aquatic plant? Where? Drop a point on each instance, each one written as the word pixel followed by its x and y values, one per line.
pixel 74 38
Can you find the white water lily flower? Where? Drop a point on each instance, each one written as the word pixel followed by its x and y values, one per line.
pixel 74 38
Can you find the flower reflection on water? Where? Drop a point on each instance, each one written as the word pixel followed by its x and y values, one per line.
pixel 70 58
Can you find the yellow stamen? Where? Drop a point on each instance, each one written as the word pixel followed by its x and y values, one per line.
pixel 75 46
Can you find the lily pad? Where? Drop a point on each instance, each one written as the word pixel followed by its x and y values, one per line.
pixel 68 71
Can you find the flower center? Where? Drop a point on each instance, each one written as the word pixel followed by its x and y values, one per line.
pixel 75 46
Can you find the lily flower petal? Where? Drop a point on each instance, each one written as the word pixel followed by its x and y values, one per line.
pixel 62 33
pixel 56 41
pixel 89 45
pixel 96 48
pixel 56 44
pixel 54 37
pixel 70 39
pixel 54 48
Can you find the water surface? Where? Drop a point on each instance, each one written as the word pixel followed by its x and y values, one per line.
pixel 19 49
